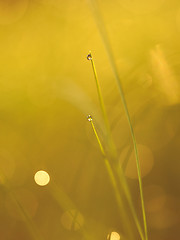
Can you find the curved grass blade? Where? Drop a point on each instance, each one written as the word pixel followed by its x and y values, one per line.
pixel 113 182
pixel 122 180
pixel 104 35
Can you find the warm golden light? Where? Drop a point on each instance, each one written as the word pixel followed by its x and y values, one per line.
pixel 42 178
pixel 60 168
pixel 113 236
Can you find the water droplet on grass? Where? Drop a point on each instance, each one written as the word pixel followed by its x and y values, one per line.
pixel 89 56
pixel 89 118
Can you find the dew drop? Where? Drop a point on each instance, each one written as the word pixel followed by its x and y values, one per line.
pixel 89 56
pixel 89 118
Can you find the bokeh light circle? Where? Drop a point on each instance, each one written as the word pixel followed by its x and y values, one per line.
pixel 42 178
pixel 113 236
pixel 161 208
pixel 72 220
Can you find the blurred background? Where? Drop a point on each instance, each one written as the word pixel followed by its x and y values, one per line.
pixel 47 89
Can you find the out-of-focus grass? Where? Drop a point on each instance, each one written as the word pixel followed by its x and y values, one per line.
pixel 46 90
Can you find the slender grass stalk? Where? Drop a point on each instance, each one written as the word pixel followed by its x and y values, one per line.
pixel 90 57
pixel 113 181
pixel 129 199
pixel 102 105
pixel 112 146
pixel 104 35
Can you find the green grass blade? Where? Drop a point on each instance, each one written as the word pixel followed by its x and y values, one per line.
pixel 103 32
pixel 113 182
pixel 102 105
pixel 112 146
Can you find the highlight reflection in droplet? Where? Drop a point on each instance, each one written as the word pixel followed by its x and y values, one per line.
pixel 89 56
pixel 42 178
pixel 89 118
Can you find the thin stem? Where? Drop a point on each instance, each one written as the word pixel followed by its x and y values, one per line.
pixel 99 91
pixel 129 199
pixel 112 146
pixel 98 139
pixel 103 32
pixel 113 181
pixel 102 105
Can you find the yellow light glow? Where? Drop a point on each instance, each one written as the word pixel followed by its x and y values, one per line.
pixel 42 178
pixel 113 236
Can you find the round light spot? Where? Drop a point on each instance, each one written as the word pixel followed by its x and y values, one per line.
pixel 72 220
pixel 163 219
pixel 42 178
pixel 113 236
pixel 128 161
pixel 155 198
pixel 162 211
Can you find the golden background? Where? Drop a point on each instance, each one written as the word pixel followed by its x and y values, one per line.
pixel 47 89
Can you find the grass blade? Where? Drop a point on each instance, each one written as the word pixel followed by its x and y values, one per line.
pixel 104 35
pixel 122 180
pixel 113 182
